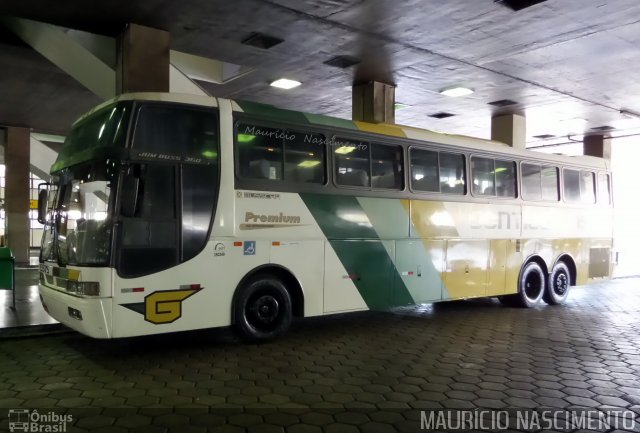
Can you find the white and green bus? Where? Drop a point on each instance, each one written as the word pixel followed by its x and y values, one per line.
pixel 174 212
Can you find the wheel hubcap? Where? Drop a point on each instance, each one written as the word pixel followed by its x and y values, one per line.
pixel 560 284
pixel 533 287
pixel 263 311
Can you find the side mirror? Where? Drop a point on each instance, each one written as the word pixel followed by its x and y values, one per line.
pixel 130 194
pixel 42 206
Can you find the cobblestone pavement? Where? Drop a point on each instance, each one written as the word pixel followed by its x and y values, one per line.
pixel 367 372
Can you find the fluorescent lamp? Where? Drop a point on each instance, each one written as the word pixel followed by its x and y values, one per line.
pixel 285 83
pixel 246 138
pixel 210 154
pixel 343 150
pixel 399 106
pixel 308 163
pixel 454 92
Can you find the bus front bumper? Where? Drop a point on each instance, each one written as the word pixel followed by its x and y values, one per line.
pixel 89 316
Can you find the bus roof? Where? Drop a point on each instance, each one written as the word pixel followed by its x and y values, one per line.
pixel 391 130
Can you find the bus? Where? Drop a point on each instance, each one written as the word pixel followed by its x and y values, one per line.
pixel 172 212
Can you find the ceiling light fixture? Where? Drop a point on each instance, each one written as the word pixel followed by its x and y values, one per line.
pixel 456 91
pixel 261 40
pixel 285 83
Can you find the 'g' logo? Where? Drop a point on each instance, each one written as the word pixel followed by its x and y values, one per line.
pixel 164 306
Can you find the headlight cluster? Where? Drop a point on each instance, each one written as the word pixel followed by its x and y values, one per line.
pixel 85 288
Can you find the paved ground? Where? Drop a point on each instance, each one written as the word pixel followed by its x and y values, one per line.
pixel 369 372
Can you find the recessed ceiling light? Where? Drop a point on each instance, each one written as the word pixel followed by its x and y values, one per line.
pixel 261 40
pixel 454 92
pixel 285 83
pixel 503 103
pixel 342 61
pixel 441 115
pixel 517 5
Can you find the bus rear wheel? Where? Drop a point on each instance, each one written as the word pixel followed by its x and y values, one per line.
pixel 558 284
pixel 531 285
pixel 262 309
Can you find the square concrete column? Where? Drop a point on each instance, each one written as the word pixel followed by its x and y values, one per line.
pixel 374 102
pixel 143 60
pixel 597 145
pixel 510 129
pixel 16 192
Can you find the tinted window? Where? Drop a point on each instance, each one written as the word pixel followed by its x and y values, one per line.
pixel 587 187
pixel 304 157
pixel 452 173
pixel 260 151
pixel 571 185
pixel 549 179
pixel 482 171
pixel 386 167
pixel 352 162
pixel 149 240
pixel 176 130
pixel 505 172
pixel 199 192
pixel 531 182
pixel 105 128
pixel 539 182
pixel 280 154
pixel 424 170
pixel 604 189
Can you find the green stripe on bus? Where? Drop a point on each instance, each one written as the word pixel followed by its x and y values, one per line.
pixel 318 119
pixel 361 252
pixel 273 113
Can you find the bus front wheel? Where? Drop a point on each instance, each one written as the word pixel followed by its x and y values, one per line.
pixel 558 284
pixel 262 309
pixel 531 285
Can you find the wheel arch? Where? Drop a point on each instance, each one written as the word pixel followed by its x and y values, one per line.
pixel 568 260
pixel 285 275
pixel 536 259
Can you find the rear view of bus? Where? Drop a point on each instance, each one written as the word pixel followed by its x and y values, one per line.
pixel 133 194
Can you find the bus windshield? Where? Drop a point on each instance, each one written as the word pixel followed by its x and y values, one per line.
pixel 81 224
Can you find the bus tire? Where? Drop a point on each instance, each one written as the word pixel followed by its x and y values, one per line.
pixel 558 284
pixel 531 285
pixel 262 309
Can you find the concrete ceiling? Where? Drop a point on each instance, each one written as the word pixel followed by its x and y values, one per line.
pixel 559 60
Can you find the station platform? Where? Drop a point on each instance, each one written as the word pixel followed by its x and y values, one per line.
pixel 29 317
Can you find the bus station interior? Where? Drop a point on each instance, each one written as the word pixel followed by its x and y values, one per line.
pixel 552 76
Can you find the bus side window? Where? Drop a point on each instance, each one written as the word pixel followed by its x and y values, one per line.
pixel 531 182
pixel 571 185
pixel 424 170
pixel 304 159
pixel 505 173
pixel 386 167
pixel 352 162
pixel 587 187
pixel 604 188
pixel 452 173
pixel 549 183
pixel 260 153
pixel 482 170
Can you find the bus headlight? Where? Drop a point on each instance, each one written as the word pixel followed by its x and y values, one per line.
pixel 86 288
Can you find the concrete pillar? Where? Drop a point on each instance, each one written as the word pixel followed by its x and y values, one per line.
pixel 142 60
pixel 510 129
pixel 374 102
pixel 16 192
pixel 597 145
